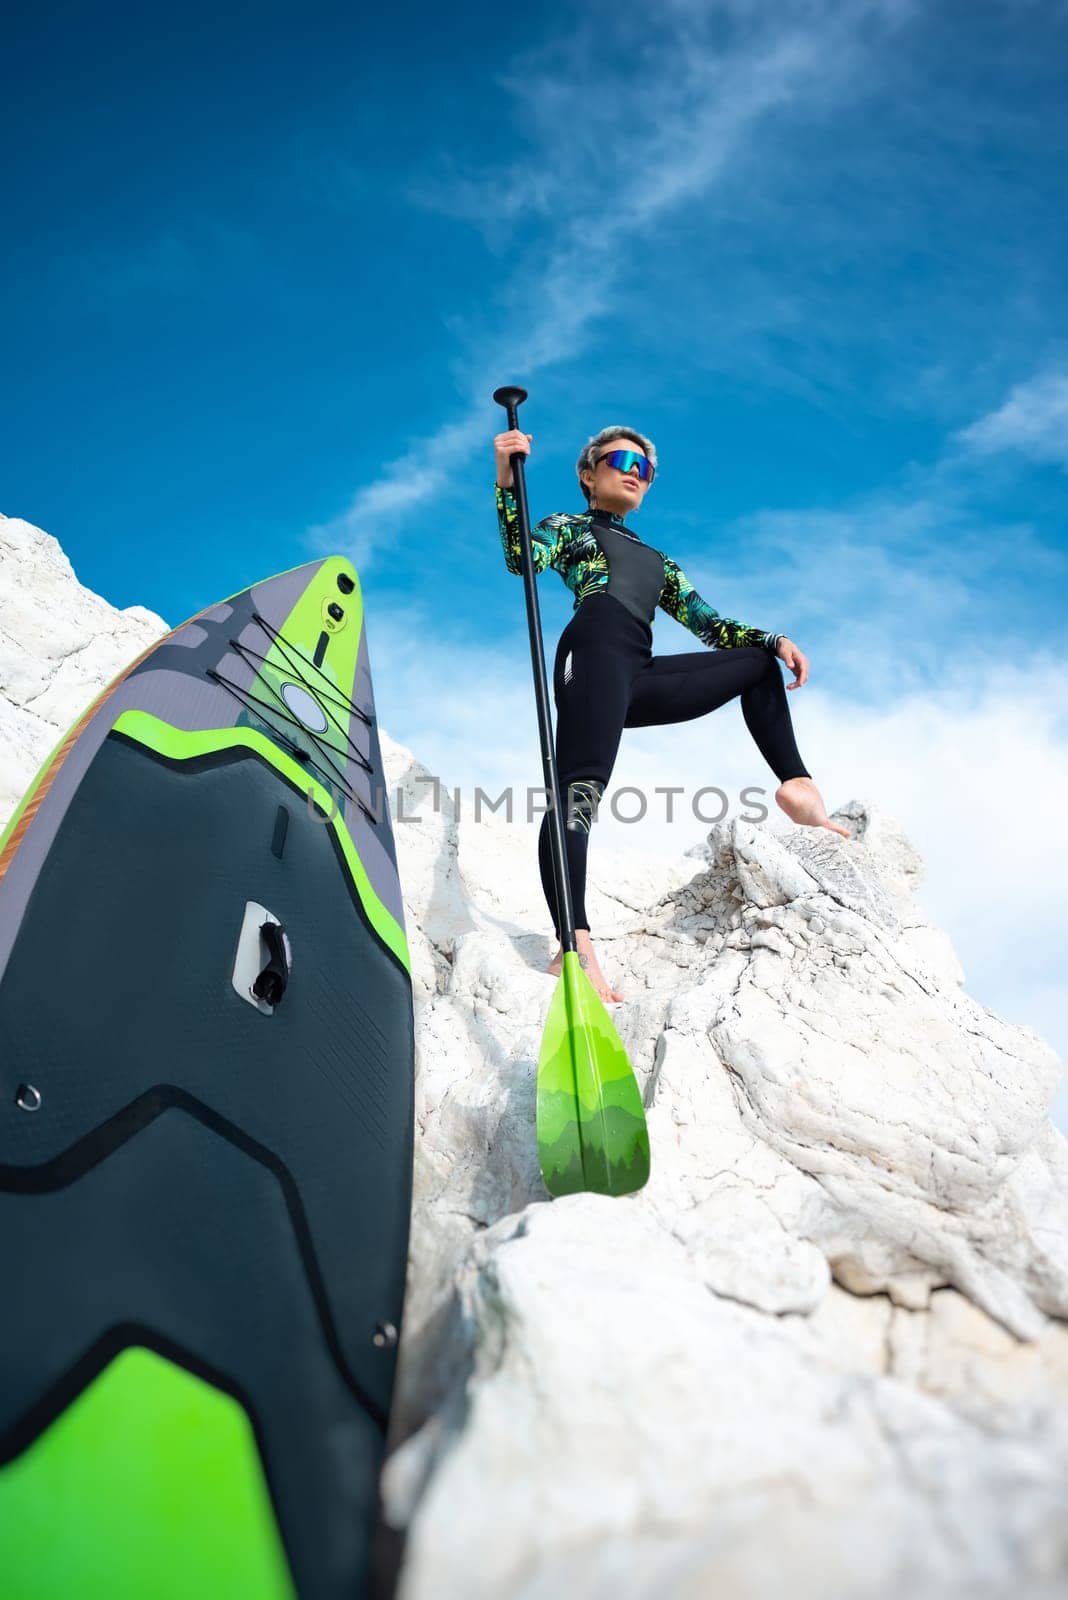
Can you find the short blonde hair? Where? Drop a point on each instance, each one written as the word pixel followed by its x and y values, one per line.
pixel 590 450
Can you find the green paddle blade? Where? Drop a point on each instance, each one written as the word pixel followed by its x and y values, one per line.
pixel 591 1123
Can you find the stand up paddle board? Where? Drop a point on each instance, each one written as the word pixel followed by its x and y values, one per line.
pixel 206 1053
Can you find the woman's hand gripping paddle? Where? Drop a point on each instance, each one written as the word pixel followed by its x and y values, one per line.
pixel 591 1123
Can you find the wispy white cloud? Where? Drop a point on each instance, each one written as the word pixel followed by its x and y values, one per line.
pixel 605 153
pixel 924 698
pixel 415 478
pixel 893 587
pixel 1033 420
pixel 889 590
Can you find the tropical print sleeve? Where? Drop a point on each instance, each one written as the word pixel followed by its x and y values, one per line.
pixel 545 537
pixel 680 600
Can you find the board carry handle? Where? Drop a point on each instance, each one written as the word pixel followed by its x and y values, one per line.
pixel 270 986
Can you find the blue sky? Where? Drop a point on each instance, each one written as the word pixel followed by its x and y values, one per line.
pixel 265 266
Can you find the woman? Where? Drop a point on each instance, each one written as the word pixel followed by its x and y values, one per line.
pixel 606 677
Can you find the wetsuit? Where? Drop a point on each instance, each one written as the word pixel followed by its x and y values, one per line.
pixel 606 678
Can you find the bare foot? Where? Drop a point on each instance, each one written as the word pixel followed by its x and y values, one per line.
pixel 803 803
pixel 590 965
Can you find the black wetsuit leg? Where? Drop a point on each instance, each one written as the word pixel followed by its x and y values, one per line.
pixel 600 653
pixel 606 678
pixel 676 688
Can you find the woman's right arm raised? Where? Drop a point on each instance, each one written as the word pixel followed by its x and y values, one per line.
pixel 505 446
pixel 545 537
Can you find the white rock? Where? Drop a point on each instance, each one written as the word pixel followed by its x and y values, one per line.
pixel 826 1348
pixel 621 1429
pixel 675 1392
pixel 60 644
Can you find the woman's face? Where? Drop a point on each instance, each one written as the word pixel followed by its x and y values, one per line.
pixel 611 489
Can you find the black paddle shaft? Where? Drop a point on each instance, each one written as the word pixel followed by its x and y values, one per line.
pixel 511 398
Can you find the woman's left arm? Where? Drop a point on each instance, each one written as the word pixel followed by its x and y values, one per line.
pixel 680 600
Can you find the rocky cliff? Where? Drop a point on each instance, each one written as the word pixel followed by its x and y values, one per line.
pixel 825 1350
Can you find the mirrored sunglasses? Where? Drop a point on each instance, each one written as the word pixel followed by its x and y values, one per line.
pixel 623 460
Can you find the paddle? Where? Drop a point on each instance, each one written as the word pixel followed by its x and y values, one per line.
pixel 591 1123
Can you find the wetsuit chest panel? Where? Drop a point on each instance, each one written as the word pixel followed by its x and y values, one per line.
pixel 635 571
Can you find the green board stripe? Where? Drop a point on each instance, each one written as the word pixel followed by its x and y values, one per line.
pixel 149 1484
pixel 179 744
pixel 13 821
